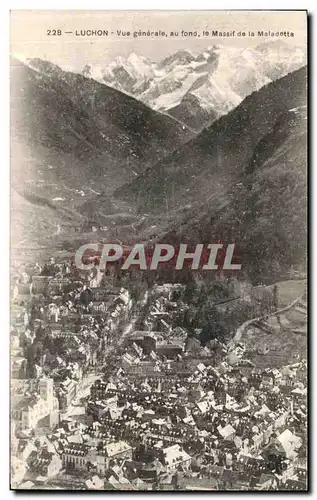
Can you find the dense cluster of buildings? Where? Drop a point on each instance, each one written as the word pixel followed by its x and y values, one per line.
pixel 161 411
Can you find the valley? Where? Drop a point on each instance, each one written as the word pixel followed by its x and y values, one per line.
pixel 97 164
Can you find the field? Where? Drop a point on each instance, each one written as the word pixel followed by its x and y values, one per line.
pixel 282 339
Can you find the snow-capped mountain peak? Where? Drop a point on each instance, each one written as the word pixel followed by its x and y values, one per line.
pixel 214 81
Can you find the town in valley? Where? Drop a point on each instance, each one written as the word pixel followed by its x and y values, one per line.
pixel 113 387
pixel 158 251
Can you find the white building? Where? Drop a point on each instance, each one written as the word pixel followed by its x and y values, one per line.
pixel 174 456
pixel 111 451
pixel 37 407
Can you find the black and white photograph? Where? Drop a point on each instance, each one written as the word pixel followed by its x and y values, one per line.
pixel 158 250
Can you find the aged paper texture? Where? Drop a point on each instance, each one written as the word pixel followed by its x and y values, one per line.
pixel 158 333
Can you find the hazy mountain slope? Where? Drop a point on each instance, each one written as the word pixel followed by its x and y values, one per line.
pixel 208 164
pixel 265 214
pixel 280 58
pixel 36 221
pixel 79 132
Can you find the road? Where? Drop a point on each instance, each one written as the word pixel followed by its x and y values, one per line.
pixel 127 329
pixel 83 392
pixel 89 380
pixel 240 331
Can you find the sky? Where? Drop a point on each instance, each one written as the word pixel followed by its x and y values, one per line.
pixel 29 32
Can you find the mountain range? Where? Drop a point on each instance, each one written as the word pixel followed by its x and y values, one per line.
pixel 241 180
pixel 75 131
pixel 81 149
pixel 73 138
pixel 198 89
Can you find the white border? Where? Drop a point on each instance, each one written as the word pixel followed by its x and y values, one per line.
pixel 4 185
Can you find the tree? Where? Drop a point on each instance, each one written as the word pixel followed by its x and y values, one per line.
pixel 190 292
